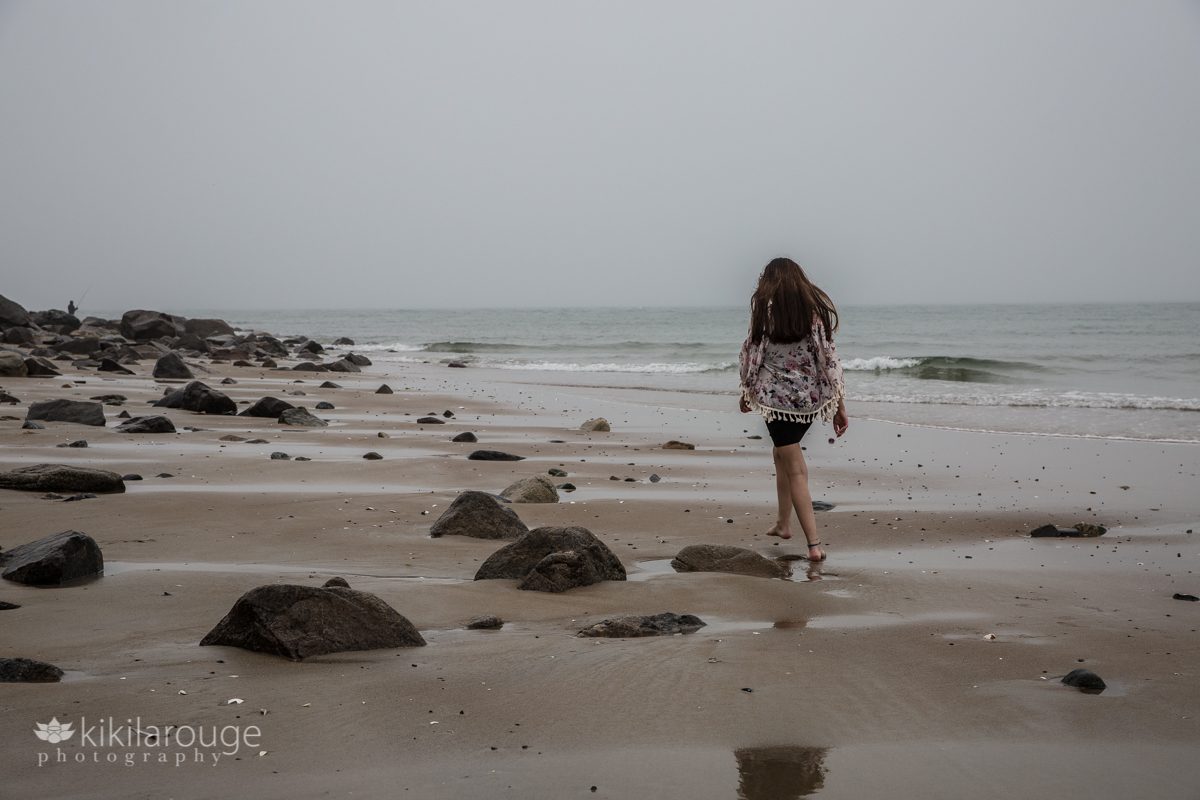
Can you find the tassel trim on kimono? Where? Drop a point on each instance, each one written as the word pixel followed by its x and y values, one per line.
pixel 824 412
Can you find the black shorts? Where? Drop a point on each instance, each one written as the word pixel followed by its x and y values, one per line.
pixel 785 433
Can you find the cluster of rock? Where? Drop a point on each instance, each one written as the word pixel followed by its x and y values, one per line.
pixel 32 342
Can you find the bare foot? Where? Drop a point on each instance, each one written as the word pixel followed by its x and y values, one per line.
pixel 815 553
pixel 782 533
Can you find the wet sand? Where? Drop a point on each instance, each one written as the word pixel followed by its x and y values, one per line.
pixel 869 675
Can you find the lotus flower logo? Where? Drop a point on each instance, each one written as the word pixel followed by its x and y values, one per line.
pixel 54 731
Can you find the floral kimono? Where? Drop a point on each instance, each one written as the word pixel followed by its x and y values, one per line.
pixel 796 382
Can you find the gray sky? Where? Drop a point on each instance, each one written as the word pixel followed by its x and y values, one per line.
pixel 386 154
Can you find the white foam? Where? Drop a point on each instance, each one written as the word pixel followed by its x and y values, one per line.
pixel 399 347
pixel 557 366
pixel 878 363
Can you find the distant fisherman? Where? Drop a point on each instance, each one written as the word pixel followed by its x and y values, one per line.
pixel 71 307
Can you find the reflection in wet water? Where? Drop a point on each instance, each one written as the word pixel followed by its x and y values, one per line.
pixel 779 773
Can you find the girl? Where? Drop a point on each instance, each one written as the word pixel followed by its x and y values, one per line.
pixel 790 374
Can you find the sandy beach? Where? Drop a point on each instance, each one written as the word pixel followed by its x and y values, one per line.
pixel 923 659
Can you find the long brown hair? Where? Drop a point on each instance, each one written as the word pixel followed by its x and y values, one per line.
pixel 786 303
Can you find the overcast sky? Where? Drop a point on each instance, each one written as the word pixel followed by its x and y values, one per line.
pixel 388 154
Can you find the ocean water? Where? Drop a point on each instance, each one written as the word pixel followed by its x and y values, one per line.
pixel 1118 371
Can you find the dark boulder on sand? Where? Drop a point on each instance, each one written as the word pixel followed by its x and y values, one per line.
pixel 151 424
pixel 26 670
pixel 141 325
pixel 108 365
pixel 80 412
pixel 36 367
pixel 431 421
pixel 664 624
pixel 12 365
pixel 199 398
pixel 171 367
pixel 384 389
pixel 1081 530
pixel 479 515
pixel 465 436
pixel 204 328
pixel 727 558
pixel 297 622
pixel 55 320
pixel 53 560
pixel 488 622
pixel 13 314
pixel 553 559
pixel 267 407
pixel 493 455
pixel 1085 680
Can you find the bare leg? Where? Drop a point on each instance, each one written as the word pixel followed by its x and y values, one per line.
pixel 783 493
pixel 791 461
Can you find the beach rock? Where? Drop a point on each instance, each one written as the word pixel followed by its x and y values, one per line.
pixel 108 365
pixel 268 407
pixel 567 487
pixel 109 399
pixel 677 445
pixel 61 478
pixel 1191 598
pixel 30 425
pixel 7 606
pixel 55 320
pixel 141 325
pixel 479 515
pixel 535 489
pixel 227 381
pixel 655 478
pixel 199 398
pixel 311 347
pixel 153 424
pixel 301 417
pixel 342 365
pixel 431 421
pixel 26 670
pixel 555 472
pixel 279 455
pixel 384 389
pixel 171 367
pixel 13 314
pixel 485 623
pixel 1085 680
pixel 6 398
pixel 664 624
pixel 36 367
pixel 324 405
pixel 80 412
pixel 465 436
pixel 329 385
pixel 20 336
pixel 206 328
pixel 12 365
pixel 53 560
pixel 584 560
pixel 297 622
pixel 131 476
pixel 727 558
pixel 372 456
pixel 456 365
pixel 357 360
pixel 493 455
pixel 308 366
pixel 336 581
pixel 821 505
pixel 1081 530
pixel 76 443
pixel 599 425
pixel 344 341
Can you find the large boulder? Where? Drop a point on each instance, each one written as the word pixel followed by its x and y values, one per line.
pixel 478 514
pixel 40 368
pixel 56 320
pixel 109 365
pixel 205 328
pixel 23 336
pixel 536 489
pixel 727 558
pixel 141 325
pixel 664 624
pixel 26 670
pixel 13 314
pixel 268 407
pixel 553 559
pixel 61 478
pixel 12 365
pixel 150 424
pixel 493 455
pixel 301 417
pixel 81 412
pixel 198 397
pixel 53 560
pixel 79 345
pixel 342 365
pixel 172 367
pixel 301 621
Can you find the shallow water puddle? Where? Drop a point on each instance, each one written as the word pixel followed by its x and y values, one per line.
pixel 802 571
pixel 883 620
pixel 112 568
